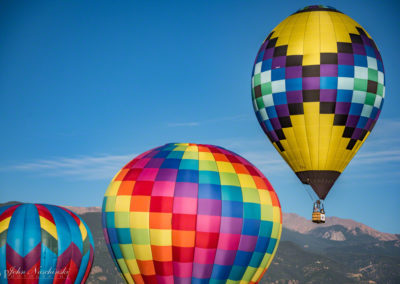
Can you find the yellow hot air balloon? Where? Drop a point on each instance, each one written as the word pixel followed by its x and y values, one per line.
pixel 318 87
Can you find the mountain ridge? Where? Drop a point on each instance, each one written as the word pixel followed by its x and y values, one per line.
pixel 297 223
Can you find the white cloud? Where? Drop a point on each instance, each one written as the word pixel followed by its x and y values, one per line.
pixel 86 167
pixel 183 124
pixel 378 157
pixel 198 123
pixel 379 150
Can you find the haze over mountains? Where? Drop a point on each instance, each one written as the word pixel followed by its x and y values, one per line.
pixel 339 251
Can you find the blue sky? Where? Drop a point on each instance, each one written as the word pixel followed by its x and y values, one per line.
pixel 87 85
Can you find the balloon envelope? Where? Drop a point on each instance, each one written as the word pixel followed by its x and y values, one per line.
pixel 191 213
pixel 41 243
pixel 318 87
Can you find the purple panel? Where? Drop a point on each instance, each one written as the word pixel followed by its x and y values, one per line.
pixel 279 62
pixel 356 133
pixel 210 207
pixel 231 225
pixel 275 123
pixel 265 43
pixel 352 120
pixel 329 70
pixel 378 55
pixel 269 52
pixel 274 136
pixel 294 96
pixel 225 257
pixel 368 124
pixel 342 108
pixel 359 49
pixel 264 128
pixel 310 83
pixel 182 280
pixel 366 40
pixel 282 110
pixel 293 72
pixel 345 59
pixel 166 175
pixel 202 270
pixel 328 95
pixel 154 163
pixel 186 189
pixel 248 243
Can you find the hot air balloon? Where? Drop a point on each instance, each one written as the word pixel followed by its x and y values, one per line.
pixel 42 243
pixel 318 87
pixel 191 213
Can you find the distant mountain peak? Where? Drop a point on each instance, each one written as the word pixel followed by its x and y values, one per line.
pixel 83 210
pixel 296 223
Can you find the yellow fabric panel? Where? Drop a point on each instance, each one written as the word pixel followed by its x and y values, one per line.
pixel 312 41
pixel 277 218
pixel 225 167
pixel 336 137
pixel 206 156
pixel 47 226
pixel 299 129
pixel 139 220
pixel 340 29
pixel 349 24
pixel 296 40
pixel 5 223
pixel 113 188
pixel 327 34
pixel 277 30
pixel 246 181
pixel 265 198
pixel 283 34
pixel 160 237
pixel 289 152
pixel 83 230
pixel 293 145
pixel 311 117
pixel 142 252
pixel 340 152
pixel 325 130
pixel 123 203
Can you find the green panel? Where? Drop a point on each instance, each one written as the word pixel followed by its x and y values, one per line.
pixel 372 75
pixel 380 90
pixel 360 84
pixel 260 103
pixel 266 88
pixel 370 99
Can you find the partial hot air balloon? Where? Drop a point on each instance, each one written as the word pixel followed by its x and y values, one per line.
pixel 318 87
pixel 41 243
pixel 191 213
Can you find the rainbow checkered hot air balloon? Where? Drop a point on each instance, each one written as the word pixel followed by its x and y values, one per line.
pixel 191 213
pixel 318 87
pixel 42 243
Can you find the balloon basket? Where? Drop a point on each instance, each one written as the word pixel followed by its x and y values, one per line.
pixel 318 215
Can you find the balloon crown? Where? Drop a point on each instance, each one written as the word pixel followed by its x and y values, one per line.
pixel 317 8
